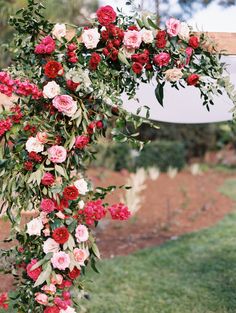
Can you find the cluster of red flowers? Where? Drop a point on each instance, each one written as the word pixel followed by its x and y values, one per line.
pixel 93 212
pixel 119 212
pixel 52 69
pixel 71 53
pixel 4 300
pixel 161 39
pixel 94 61
pixel 113 37
pixel 141 59
pixel 5 125
pixel 8 86
pixel 30 128
pixel 46 46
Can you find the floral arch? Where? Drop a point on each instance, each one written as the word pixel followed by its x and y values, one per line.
pixel 68 92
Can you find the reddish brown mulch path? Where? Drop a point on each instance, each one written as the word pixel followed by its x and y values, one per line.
pixel 171 207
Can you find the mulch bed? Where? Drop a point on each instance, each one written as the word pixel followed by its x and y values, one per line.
pixel 171 207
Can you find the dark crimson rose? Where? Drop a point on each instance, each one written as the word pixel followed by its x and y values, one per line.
pixel 33 274
pixel 161 39
pixel 106 52
pixel 114 55
pixel 149 67
pixel 52 309
pixel 192 79
pixel 106 15
pixel 105 35
pixel 91 127
pixel 64 204
pixel 137 68
pixel 133 27
pixel 74 273
pixel 116 43
pixel 61 235
pixel 99 124
pixel 70 193
pixel 194 42
pixel 71 85
pixel 109 45
pixel 81 141
pixel 53 69
pixel 28 166
pixel 35 157
pixel 94 61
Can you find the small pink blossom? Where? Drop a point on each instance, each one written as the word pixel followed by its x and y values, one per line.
pixel 60 260
pixel 49 289
pixel 173 27
pixel 65 104
pixel 80 255
pixel 42 137
pixel 57 279
pixel 57 154
pixel 162 59
pixel 81 233
pixel 47 205
pixel 41 298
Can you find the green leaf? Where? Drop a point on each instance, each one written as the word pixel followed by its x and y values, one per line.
pixel 159 92
pixel 123 58
pixel 96 251
pixel 152 24
pixel 60 170
pixel 44 275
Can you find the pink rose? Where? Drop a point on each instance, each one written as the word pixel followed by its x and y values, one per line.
pixel 65 104
pixel 60 260
pixel 57 154
pixel 47 205
pixel 57 279
pixel 173 27
pixel 161 59
pixel 41 298
pixel 49 289
pixel 80 255
pixel 81 233
pixel 48 179
pixel 42 137
pixel 132 39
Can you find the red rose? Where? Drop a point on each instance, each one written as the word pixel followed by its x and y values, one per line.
pixel 106 52
pixel 116 43
pixel 106 15
pixel 105 35
pixel 99 124
pixel 137 68
pixel 81 141
pixel 70 193
pixel 161 39
pixel 149 67
pixel 74 273
pixel 48 179
pixel 194 42
pixel 34 274
pixel 133 27
pixel 141 58
pixel 71 85
pixel 47 205
pixel 28 166
pixel 192 79
pixel 114 55
pixel 64 204
pixel 94 61
pixel 52 309
pixel 161 59
pixel 53 69
pixel 35 157
pixel 61 235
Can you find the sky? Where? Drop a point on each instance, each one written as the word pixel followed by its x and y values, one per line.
pixel 212 18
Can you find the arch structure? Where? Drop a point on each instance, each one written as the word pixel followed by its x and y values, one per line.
pixel 68 93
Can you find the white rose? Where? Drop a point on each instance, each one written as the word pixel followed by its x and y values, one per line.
pixel 184 31
pixel 34 227
pixel 90 38
pixel 50 245
pixel 59 31
pixel 51 90
pixel 82 186
pixel 69 309
pixel 81 204
pixel 33 145
pixel 173 75
pixel 147 35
